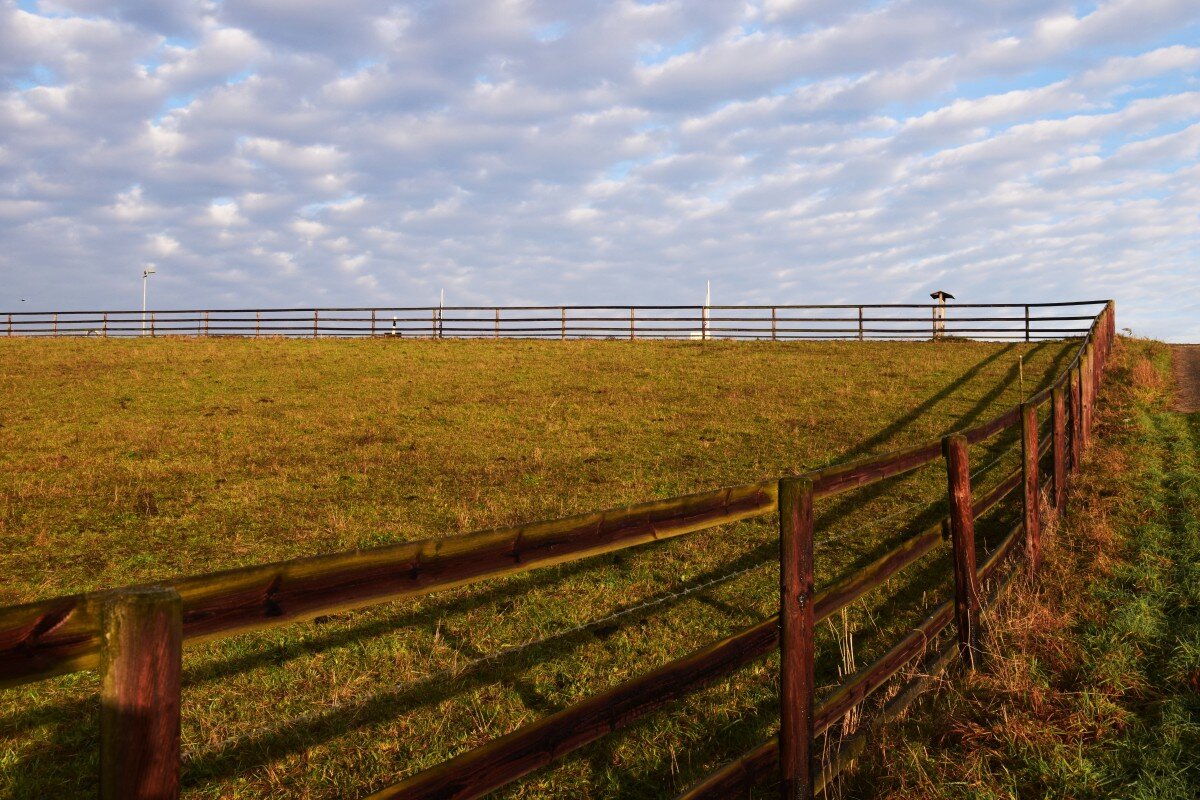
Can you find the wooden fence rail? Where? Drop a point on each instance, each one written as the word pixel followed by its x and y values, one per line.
pixel 1001 322
pixel 66 634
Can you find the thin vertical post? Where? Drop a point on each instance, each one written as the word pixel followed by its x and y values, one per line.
pixel 632 334
pixel 206 323
pixel 564 323
pixel 1029 469
pixel 56 323
pixel 105 328
pixel 933 314
pixel 796 672
pixel 433 326
pixel 10 324
pixel 1027 323
pixel 316 317
pixel 153 322
pixel 1085 394
pixel 372 323
pixel 257 322
pixel 497 336
pixel 1075 400
pixel 962 534
pixel 860 323
pixel 1059 412
pixel 704 324
pixel 774 321
pixel 140 654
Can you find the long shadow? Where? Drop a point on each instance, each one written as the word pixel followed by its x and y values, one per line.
pixel 303 733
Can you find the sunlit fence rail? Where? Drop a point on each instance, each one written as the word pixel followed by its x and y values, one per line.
pixel 1012 322
pixel 135 635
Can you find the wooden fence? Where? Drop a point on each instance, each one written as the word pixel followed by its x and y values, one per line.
pixel 1014 322
pixel 135 635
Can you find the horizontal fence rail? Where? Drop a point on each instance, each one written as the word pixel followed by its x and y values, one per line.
pixel 66 634
pixel 1000 322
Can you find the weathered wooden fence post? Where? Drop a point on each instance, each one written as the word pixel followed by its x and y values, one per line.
pixel 141 651
pixel 1032 501
pixel 860 323
pixel 1059 413
pixel 962 534
pixel 1085 393
pixel 105 334
pixel 1076 402
pixel 372 323
pixel 206 323
pixel 564 323
pixel 774 322
pixel 315 322
pixel 1027 323
pixel 632 330
pixel 796 672
pixel 497 336
pixel 153 322
pixel 257 322
pixel 56 324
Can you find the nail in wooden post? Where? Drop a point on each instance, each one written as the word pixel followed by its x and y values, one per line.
pixel 796 674
pixel 1059 412
pixel 962 534
pixel 1029 461
pixel 141 650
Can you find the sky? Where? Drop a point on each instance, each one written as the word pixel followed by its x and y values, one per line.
pixel 299 153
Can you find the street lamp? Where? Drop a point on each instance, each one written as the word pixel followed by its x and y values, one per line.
pixel 146 273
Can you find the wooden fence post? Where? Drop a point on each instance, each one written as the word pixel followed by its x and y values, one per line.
pixel 1075 400
pixel 153 322
pixel 206 323
pixel 564 323
pixel 10 324
pixel 56 324
pixel 257 322
pixel 632 333
pixel 933 315
pixel 796 673
pixel 1085 394
pixel 105 334
pixel 1027 323
pixel 962 534
pixel 433 323
pixel 141 651
pixel 1032 500
pixel 1059 412
pixel 774 337
pixel 497 336
pixel 704 324
pixel 372 323
pixel 315 319
pixel 860 323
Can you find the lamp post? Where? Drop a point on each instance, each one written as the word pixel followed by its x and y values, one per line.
pixel 146 273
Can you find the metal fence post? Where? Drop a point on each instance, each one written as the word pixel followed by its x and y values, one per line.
pixel 1031 499
pixel 962 533
pixel 141 651
pixel 796 681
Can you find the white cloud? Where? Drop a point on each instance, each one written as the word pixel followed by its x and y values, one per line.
pixel 790 150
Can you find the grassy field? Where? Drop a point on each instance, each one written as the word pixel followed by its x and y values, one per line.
pixel 128 461
pixel 1093 682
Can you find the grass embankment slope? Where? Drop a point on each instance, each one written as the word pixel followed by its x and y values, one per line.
pixel 130 461
pixel 1092 683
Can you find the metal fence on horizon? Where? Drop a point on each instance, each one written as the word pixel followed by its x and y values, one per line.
pixel 1002 322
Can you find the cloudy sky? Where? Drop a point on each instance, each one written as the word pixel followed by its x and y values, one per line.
pixel 297 152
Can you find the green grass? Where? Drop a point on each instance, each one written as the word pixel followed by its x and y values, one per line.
pixel 138 460
pixel 1093 684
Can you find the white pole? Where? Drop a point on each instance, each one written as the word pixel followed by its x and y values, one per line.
pixel 146 273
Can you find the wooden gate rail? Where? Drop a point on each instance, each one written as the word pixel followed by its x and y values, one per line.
pixel 51 637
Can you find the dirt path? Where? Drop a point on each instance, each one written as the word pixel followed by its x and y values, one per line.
pixel 1187 377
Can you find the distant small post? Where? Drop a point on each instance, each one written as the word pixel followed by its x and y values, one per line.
pixel 962 535
pixel 796 673
pixel 632 329
pixel 939 312
pixel 860 324
pixel 141 652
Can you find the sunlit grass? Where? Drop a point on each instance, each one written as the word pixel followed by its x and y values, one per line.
pixel 138 460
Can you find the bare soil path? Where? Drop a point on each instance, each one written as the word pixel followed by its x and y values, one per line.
pixel 1187 377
